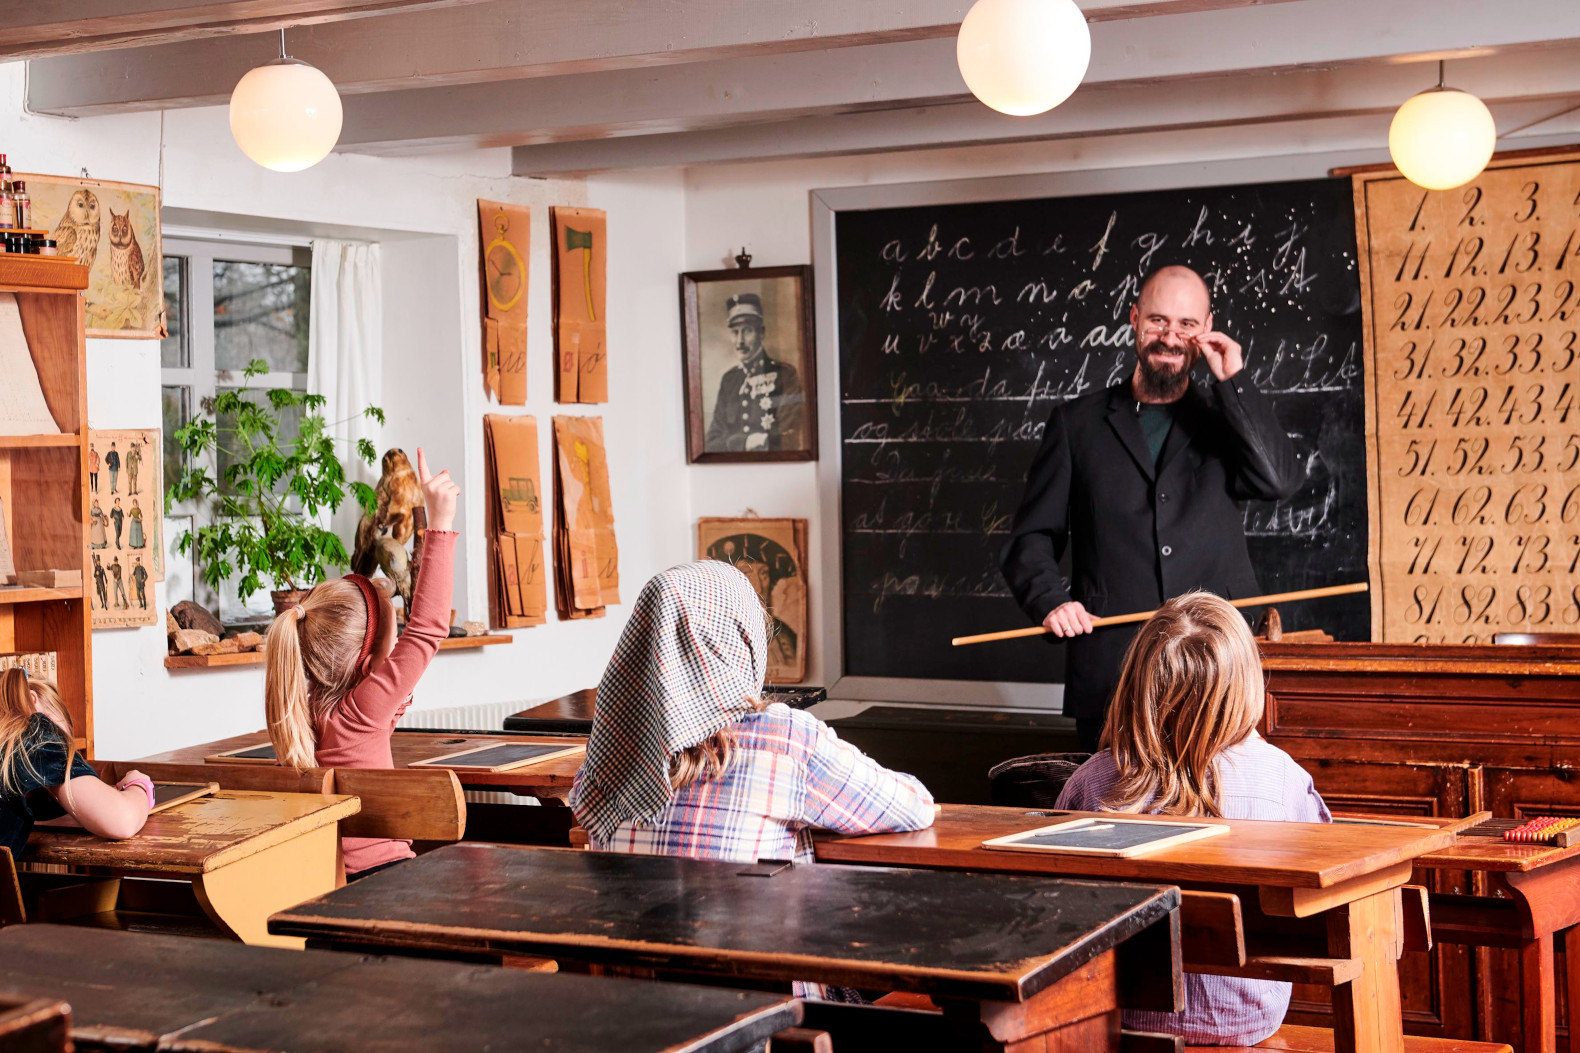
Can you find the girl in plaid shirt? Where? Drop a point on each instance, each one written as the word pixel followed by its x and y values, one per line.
pixel 684 759
pixel 1181 740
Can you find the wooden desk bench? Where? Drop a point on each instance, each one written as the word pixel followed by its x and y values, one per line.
pixel 135 992
pixel 1011 959
pixel 246 853
pixel 1319 903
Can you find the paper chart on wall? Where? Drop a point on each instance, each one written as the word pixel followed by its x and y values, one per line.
pixel 125 526
pixel 581 371
pixel 587 564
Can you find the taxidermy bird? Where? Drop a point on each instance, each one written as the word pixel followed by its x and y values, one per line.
pixel 126 256
pixel 385 532
pixel 77 233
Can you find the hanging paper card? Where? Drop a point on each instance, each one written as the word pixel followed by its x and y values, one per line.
pixel 580 262
pixel 589 575
pixel 504 238
pixel 515 519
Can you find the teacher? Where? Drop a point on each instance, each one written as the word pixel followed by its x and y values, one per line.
pixel 1144 484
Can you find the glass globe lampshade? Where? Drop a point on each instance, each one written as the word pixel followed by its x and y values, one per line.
pixel 285 115
pixel 1442 138
pixel 1023 57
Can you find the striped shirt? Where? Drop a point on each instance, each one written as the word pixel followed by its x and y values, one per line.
pixel 1256 780
pixel 789 774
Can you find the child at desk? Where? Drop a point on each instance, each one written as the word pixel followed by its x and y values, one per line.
pixel 43 777
pixel 336 680
pixel 1181 740
pixel 685 758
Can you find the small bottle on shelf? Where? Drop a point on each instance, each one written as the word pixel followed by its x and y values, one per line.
pixel 5 173
pixel 7 200
pixel 24 206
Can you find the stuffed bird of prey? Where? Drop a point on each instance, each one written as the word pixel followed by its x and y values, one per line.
pixel 383 534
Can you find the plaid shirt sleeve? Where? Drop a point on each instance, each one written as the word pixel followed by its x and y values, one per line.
pixel 849 792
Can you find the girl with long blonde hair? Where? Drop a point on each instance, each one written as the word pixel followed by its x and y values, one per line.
pixel 43 777
pixel 335 678
pixel 1181 740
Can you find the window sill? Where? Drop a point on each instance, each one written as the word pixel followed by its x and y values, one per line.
pixel 214 661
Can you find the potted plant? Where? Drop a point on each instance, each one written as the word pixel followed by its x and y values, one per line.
pixel 273 495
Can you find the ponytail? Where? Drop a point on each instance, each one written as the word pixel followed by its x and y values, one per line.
pixel 310 664
pixel 18 693
pixel 285 698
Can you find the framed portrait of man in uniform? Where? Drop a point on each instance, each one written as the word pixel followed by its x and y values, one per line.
pixel 751 381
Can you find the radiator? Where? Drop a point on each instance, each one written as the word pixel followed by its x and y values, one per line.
pixel 482 716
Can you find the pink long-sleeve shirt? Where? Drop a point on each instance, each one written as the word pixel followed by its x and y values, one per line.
pixel 356 733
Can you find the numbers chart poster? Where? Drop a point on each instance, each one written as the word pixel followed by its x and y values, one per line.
pixel 1473 429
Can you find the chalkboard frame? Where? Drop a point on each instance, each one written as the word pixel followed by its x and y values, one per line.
pixel 826 204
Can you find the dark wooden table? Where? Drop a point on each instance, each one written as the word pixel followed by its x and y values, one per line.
pixel 550 779
pixel 1344 879
pixel 572 714
pixel 1008 957
pixel 135 991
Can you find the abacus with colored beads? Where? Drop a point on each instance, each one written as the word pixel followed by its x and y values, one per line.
pixel 1548 829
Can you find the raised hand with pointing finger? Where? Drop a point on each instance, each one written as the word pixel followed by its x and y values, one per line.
pixel 439 494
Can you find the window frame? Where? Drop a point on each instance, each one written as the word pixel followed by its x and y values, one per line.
pixel 200 376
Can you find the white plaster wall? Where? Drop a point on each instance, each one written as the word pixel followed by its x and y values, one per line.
pixel 424 212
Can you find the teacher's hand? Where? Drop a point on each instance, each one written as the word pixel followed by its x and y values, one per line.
pixel 1068 619
pixel 1222 354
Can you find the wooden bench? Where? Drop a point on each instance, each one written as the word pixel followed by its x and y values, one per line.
pixel 1297 1039
pixel 40 1025
pixel 417 804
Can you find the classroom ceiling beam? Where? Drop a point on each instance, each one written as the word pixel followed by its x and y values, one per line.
pixel 34 29
pixel 498 40
pixel 1528 85
pixel 922 73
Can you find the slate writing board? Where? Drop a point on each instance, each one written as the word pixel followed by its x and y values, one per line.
pixel 962 326
pixel 1106 837
pixel 499 758
pixel 166 796
pixel 254 754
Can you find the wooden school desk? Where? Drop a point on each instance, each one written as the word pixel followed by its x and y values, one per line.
pixel 550 779
pixel 247 854
pixel 572 714
pixel 1014 958
pixel 139 992
pixel 1344 880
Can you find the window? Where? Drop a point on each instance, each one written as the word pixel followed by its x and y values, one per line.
pixel 227 304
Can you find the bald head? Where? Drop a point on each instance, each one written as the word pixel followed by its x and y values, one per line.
pixel 1176 278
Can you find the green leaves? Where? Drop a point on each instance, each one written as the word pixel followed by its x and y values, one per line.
pixel 266 510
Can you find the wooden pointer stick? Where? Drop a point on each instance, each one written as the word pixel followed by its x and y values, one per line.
pixel 1141 616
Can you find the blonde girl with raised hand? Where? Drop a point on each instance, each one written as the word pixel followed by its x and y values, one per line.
pixel 1181 739
pixel 336 679
pixel 42 776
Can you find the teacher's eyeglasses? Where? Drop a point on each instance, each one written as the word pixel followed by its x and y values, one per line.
pixel 1184 332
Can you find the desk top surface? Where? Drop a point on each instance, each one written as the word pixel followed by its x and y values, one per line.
pixel 1482 847
pixel 573 713
pixel 140 990
pixel 994 936
pixel 199 836
pixel 1289 855
pixel 415 745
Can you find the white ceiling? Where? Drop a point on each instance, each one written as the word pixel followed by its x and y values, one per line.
pixel 596 85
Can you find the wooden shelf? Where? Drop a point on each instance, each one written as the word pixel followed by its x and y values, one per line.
pixel 41 272
pixel 17 442
pixel 214 661
pixel 22 594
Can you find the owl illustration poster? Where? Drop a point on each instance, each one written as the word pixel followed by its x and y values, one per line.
pixel 125 526
pixel 113 230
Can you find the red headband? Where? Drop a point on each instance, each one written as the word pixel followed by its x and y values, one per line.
pixel 369 596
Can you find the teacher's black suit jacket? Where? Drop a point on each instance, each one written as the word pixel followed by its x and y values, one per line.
pixel 1139 534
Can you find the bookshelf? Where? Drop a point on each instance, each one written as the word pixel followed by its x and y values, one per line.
pixel 44 483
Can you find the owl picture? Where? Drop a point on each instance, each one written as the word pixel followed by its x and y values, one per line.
pixel 77 233
pixel 126 256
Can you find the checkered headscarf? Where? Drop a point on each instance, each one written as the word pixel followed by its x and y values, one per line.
pixel 693 653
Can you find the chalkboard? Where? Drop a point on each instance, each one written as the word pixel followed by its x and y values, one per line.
pixel 962 326
pixel 1105 837
pixel 498 758
pixel 249 754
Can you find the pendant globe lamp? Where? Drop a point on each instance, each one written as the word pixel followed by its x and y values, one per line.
pixel 285 115
pixel 1023 57
pixel 1442 138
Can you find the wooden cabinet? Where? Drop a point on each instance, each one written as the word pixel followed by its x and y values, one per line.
pixel 1442 731
pixel 44 483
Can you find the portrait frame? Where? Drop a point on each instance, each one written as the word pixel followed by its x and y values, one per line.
pixel 785 303
pixel 113 309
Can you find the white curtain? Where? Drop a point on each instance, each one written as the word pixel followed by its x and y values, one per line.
pixel 345 357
